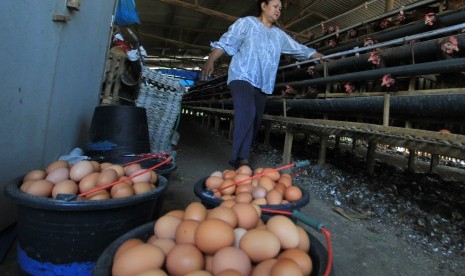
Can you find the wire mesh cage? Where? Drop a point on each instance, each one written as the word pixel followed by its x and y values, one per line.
pixel 161 95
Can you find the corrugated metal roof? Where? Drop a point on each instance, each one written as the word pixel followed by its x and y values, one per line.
pixel 186 27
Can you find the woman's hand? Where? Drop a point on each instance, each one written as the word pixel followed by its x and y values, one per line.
pixel 207 70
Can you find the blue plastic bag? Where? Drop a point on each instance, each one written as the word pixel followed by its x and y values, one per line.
pixel 126 13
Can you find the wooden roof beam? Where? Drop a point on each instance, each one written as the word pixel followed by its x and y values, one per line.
pixel 200 9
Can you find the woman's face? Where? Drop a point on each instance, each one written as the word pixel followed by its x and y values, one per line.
pixel 272 10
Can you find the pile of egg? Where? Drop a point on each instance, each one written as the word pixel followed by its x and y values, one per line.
pixel 226 240
pixel 61 177
pixel 270 189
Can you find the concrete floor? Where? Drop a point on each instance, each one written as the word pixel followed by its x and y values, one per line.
pixel 358 250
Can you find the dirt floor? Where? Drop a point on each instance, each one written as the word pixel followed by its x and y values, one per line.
pixel 376 228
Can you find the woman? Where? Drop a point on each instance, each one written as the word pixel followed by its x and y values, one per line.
pixel 256 45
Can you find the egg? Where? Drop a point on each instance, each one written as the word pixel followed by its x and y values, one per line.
pixel 274 197
pixel 95 165
pixel 238 234
pixel 263 268
pixel 34 175
pixel 184 258
pixel 271 173
pixel 217 173
pixel 57 164
pixel 164 244
pixel 138 259
pixel 260 244
pixel 244 188
pixel 199 273
pixel 153 177
pixel 244 197
pixel 107 176
pixel 42 188
pixel 300 257
pixel 304 241
pixel 65 187
pixel 285 179
pixel 266 183
pixel 141 175
pixel 89 182
pixel 119 170
pixel 213 182
pixel 242 179
pixel 25 185
pixel 176 213
pixel 165 227
pixel 81 169
pixel 259 192
pixel 246 214
pixel 130 169
pixel 99 195
pixel 285 229
pixel 228 174
pixel 125 246
pixel 195 211
pixel 285 267
pixel 228 203
pixel 292 193
pixel 225 214
pixel 58 175
pixel 153 272
pixel 105 165
pixel 227 187
pixel 231 258
pixel 186 230
pixel 229 272
pixel 142 188
pixel 212 235
pixel 121 190
pixel 244 170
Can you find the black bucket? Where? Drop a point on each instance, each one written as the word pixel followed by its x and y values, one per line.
pixel 66 238
pixel 118 130
pixel 317 251
pixel 212 202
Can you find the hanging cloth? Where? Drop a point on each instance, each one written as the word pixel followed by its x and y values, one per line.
pixel 126 13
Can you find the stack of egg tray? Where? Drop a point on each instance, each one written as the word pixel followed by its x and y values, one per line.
pixel 161 96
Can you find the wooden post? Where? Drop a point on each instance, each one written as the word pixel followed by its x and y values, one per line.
pixel 412 153
pixel 337 143
pixel 434 162
pixel 354 144
pixel 284 108
pixel 387 99
pixel 371 151
pixel 323 145
pixel 411 161
pixel 217 123
pixel 267 132
pixel 209 120
pixel 231 129
pixel 287 151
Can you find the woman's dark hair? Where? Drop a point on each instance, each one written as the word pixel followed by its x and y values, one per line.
pixel 259 6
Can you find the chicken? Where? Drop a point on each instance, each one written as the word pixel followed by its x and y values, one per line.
pixel 349 87
pixel 288 91
pixel 449 46
pixel 387 80
pixel 376 59
pixel 430 19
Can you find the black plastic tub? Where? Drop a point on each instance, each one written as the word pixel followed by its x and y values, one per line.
pixel 317 251
pixel 118 130
pixel 211 202
pixel 66 238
